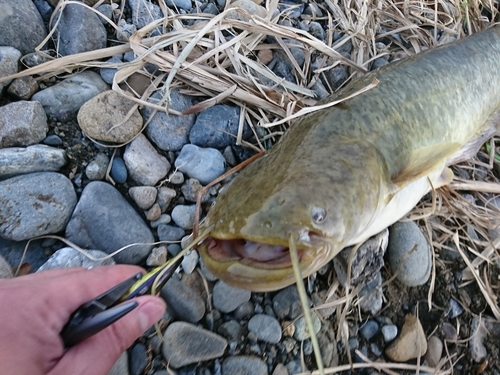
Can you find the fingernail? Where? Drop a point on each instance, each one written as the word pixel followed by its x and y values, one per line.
pixel 150 313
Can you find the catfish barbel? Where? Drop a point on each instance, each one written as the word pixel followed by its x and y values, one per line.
pixel 344 173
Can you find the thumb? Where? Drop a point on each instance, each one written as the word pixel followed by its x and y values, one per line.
pixel 99 353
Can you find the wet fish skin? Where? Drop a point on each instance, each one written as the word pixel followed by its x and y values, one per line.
pixel 362 164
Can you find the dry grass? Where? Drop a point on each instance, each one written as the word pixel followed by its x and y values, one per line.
pixel 219 60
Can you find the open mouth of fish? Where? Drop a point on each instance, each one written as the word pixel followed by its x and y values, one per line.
pixel 250 253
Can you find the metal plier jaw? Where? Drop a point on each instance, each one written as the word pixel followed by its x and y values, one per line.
pixel 102 311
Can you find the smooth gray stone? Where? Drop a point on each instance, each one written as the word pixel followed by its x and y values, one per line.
pixel 96 169
pixel 183 301
pixel 145 165
pixel 22 123
pixel 227 298
pixel 64 99
pixel 170 233
pixel 181 4
pixel 184 343
pixel 119 171
pixel 53 140
pixel 36 158
pixel 104 220
pixel 286 304
pixel 183 216
pixel 369 329
pixel 203 164
pixel 9 59
pixel 121 365
pixel 266 328
pixel 35 204
pixel 409 253
pixel 244 365
pixel 21 25
pixel 231 330
pixel 169 132
pixel 301 329
pixel 79 30
pixel 389 332
pixel 23 88
pixel 144 12
pixel 107 74
pixel 216 127
pixel 138 359
pixel 44 9
pixel 68 257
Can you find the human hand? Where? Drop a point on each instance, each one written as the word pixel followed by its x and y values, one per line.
pixel 35 308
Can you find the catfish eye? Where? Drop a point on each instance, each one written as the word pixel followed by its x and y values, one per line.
pixel 318 215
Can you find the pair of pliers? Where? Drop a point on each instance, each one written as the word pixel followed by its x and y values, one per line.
pixel 102 311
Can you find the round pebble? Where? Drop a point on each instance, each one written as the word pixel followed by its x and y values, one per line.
pixel 227 298
pixel 170 233
pixel 203 164
pixel 302 331
pixel 183 216
pixel 434 351
pixel 36 158
pixel 96 169
pixel 65 98
pixel 184 343
pixel 244 365
pixel 389 332
pixel 190 261
pixel 143 196
pixel 119 171
pixel 110 117
pixel 145 165
pixel 183 301
pixel 22 26
pixel 138 359
pixel 369 329
pixel 406 237
pixel 104 220
pixel 22 123
pixel 53 140
pixel 35 204
pixel 266 327
pixel 169 132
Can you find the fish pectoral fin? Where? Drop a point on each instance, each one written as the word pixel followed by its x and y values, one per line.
pixel 444 178
pixel 423 161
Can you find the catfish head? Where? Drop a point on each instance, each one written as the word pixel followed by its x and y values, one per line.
pixel 252 220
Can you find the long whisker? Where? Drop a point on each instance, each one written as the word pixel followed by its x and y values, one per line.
pixel 292 244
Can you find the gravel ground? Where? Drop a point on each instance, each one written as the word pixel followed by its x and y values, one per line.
pixel 146 191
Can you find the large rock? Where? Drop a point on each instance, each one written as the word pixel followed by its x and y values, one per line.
pixel 64 99
pixel 145 165
pixel 22 124
pixel 79 30
pixel 9 59
pixel 36 158
pixel 104 220
pixel 184 343
pixel 106 118
pixel 35 204
pixel 21 25
pixel 169 132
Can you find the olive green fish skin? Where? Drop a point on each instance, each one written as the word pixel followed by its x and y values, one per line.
pixel 345 158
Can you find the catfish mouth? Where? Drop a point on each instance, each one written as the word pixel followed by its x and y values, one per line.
pixel 250 253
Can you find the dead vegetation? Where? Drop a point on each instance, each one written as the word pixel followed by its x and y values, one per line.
pixel 222 59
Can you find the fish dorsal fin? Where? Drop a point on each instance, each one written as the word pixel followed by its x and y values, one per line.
pixel 423 161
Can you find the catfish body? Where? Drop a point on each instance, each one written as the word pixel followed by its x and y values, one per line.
pixel 342 174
